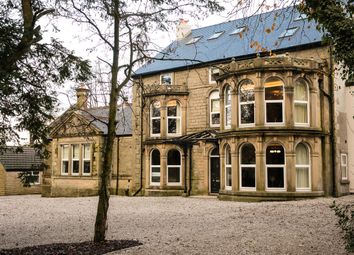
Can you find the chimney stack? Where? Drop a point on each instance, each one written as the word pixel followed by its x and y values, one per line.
pixel 183 29
pixel 82 97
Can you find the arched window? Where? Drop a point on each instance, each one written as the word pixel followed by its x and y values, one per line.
pixel 174 167
pixel 301 101
pixel 155 115
pixel 155 167
pixel 173 118
pixel 246 102
pixel 227 112
pixel 274 101
pixel 214 109
pixel 214 174
pixel 228 168
pixel 302 166
pixel 247 167
pixel 275 165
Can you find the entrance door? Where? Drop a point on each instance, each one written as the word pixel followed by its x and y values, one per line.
pixel 214 171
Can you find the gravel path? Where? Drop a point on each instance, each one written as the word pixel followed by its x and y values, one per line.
pixel 176 225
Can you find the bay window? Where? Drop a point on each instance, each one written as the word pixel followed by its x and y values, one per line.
pixel 247 167
pixel 173 118
pixel 174 167
pixel 246 103
pixel 275 167
pixel 228 168
pixel 155 118
pixel 155 167
pixel 214 109
pixel 227 112
pixel 301 102
pixel 302 166
pixel 274 101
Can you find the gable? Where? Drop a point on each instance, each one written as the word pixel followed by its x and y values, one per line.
pixel 74 125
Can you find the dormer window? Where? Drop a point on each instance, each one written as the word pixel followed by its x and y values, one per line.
pixel 166 79
pixel 289 32
pixel 238 30
pixel 216 35
pixel 301 16
pixel 193 40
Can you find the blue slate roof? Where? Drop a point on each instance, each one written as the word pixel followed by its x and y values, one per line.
pixel 99 118
pixel 263 30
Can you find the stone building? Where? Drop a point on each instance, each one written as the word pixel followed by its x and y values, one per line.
pixel 12 163
pixel 77 138
pixel 250 109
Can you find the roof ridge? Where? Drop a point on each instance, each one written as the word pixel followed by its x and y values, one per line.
pixel 234 20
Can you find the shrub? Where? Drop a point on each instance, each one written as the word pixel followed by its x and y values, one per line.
pixel 345 214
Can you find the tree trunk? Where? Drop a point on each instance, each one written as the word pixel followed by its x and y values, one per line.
pixel 101 224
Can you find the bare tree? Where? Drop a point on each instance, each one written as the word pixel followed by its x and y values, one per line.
pixel 123 29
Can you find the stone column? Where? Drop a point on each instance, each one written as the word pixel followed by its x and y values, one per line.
pixel 184 116
pixel 235 166
pixel 259 101
pixel 289 100
pixel 222 111
pixel 163 116
pixel 290 177
pixel 260 165
pixel 163 167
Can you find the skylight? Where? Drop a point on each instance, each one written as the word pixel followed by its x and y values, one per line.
pixel 301 16
pixel 289 32
pixel 216 35
pixel 238 30
pixel 194 40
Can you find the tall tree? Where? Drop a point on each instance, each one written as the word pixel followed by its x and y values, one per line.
pixel 335 17
pixel 30 71
pixel 124 29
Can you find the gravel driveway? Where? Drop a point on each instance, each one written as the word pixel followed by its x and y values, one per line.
pixel 177 225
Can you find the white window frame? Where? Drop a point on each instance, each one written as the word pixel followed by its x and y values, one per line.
pixel 214 95
pixel 179 109
pixel 304 166
pixel 175 166
pixel 240 172
pixel 86 159
pixel 211 72
pixel 228 166
pixel 227 106
pixel 210 157
pixel 303 102
pixel 277 166
pixel 62 146
pixel 274 101
pixel 155 166
pixel 245 103
pixel 72 159
pixel 154 118
pixel 166 74
pixel 344 164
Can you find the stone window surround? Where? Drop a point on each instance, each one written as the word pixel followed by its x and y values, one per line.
pixel 164 167
pixel 182 101
pixel 289 165
pixel 260 90
pixel 81 159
